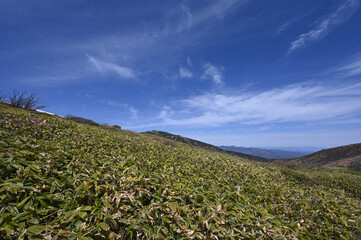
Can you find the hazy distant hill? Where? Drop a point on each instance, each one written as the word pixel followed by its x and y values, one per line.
pixel 345 156
pixel 203 145
pixel 265 153
pixel 307 150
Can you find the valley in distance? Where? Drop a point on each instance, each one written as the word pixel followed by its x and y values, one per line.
pixel 274 153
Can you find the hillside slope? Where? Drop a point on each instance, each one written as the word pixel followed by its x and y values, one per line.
pixel 65 180
pixel 203 145
pixel 348 156
pixel 264 153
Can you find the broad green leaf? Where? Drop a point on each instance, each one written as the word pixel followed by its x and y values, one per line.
pixel 35 230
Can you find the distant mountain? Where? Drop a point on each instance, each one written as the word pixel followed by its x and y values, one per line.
pixel 348 156
pixel 265 153
pixel 307 150
pixel 203 145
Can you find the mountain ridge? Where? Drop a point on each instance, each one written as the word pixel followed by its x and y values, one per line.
pixel 209 147
pixel 347 156
pixel 265 153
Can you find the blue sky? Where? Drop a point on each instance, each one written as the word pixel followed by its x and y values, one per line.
pixel 247 73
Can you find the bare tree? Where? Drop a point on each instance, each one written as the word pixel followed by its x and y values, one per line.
pixel 16 99
pixel 20 99
pixel 32 102
pixel 2 96
pixel 81 120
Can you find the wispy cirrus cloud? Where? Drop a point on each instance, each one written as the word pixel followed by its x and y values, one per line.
pixel 212 10
pixel 214 73
pixel 132 110
pixel 326 25
pixel 294 103
pixel 350 68
pixel 185 72
pixel 115 103
pixel 218 9
pixel 189 15
pixel 139 48
pixel 189 61
pixel 178 29
pixel 108 67
pixel 284 26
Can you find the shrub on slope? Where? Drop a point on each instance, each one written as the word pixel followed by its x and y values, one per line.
pixel 76 181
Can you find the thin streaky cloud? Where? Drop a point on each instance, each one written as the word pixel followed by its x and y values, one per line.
pixel 351 68
pixel 219 9
pixel 189 61
pixel 108 67
pixel 186 25
pixel 326 25
pixel 187 11
pixel 214 10
pixel 284 26
pixel 295 18
pixel 294 103
pixel 116 104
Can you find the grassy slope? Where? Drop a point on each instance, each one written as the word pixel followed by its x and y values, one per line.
pixel 60 178
pixel 348 156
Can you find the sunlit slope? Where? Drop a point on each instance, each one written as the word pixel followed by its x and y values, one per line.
pixel 60 178
pixel 348 156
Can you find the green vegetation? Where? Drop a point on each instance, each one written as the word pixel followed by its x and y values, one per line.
pixel 349 182
pixel 61 179
pixel 348 156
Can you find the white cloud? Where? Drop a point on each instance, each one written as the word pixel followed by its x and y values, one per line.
pixel 214 73
pixel 284 26
pixel 293 103
pixel 185 73
pixel 181 27
pixel 352 68
pixel 218 9
pixel 108 67
pixel 166 113
pixel 116 104
pixel 189 61
pixel 144 45
pixel 134 112
pixel 187 11
pixel 212 10
pixel 324 26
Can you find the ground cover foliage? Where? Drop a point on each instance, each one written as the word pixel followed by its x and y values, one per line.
pixel 65 180
pixel 348 156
